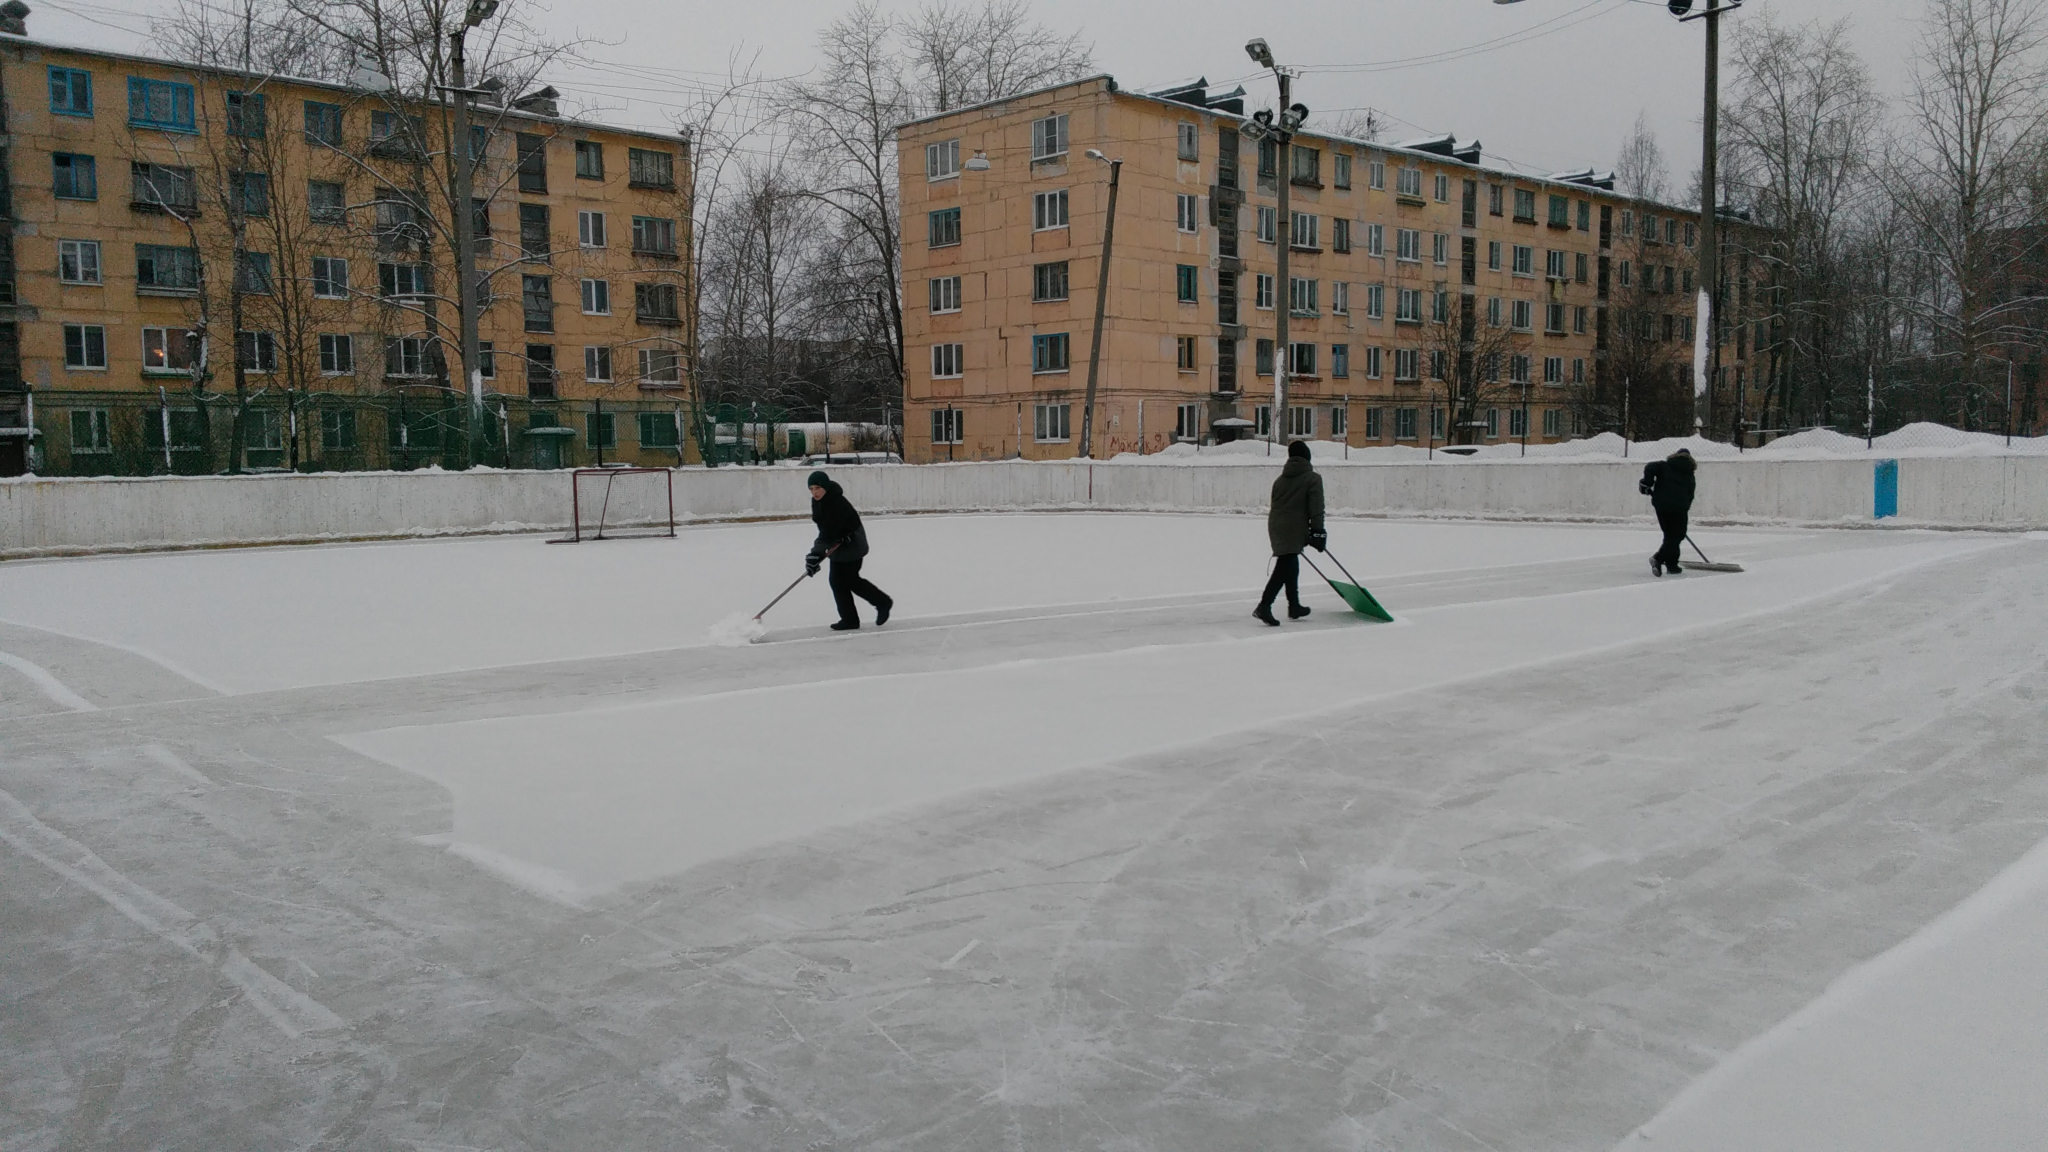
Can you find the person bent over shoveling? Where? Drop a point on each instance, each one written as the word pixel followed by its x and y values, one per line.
pixel 841 538
pixel 1669 485
pixel 1294 522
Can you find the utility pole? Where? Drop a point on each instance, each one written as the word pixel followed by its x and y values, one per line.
pixel 1116 168
pixel 1709 250
pixel 465 223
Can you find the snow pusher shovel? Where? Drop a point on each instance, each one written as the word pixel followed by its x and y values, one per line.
pixel 793 584
pixel 1353 593
pixel 1706 565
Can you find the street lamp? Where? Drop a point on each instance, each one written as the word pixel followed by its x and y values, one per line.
pixel 465 224
pixel 1709 254
pixel 1116 167
pixel 1261 126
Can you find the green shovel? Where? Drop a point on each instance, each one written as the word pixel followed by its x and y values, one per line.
pixel 1353 593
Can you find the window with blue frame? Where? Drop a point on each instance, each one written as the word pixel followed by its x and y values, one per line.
pixel 70 92
pixel 160 104
pixel 74 176
pixel 247 114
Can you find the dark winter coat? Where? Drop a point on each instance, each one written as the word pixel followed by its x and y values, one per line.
pixel 1670 482
pixel 837 524
pixel 1297 508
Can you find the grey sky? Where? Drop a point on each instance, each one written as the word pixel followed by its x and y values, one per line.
pixel 1559 89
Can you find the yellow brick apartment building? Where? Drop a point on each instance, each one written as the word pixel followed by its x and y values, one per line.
pixel 1403 258
pixel 188 252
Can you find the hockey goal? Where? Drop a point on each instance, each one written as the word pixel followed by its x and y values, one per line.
pixel 616 503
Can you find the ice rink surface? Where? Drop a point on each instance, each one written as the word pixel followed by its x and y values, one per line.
pixel 483 844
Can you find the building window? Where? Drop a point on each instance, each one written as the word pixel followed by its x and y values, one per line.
pixel 1340 298
pixel 1184 353
pixel 1409 183
pixel 89 431
pixel 537 298
pixel 1443 189
pixel 1340 421
pixel 407 356
pixel 1524 315
pixel 1304 231
pixel 1554 264
pixel 1301 296
pixel 1627 274
pixel 70 92
pixel 949 361
pixel 1578 370
pixel 1301 359
pixel 1553 423
pixel 1404 424
pixel 247 115
pixel 1187 422
pixel 1440 248
pixel 533 161
pixel 1579 319
pixel 1372 362
pixel 1553 319
pixel 1492 423
pixel 1049 281
pixel 647 168
pixel 656 235
pixel 85 346
pixel 1307 164
pixel 169 350
pixel 1301 422
pixel 1340 169
pixel 597 298
pixel 252 273
pixel 160 104
pixel 1190 141
pixel 1049 137
pixel 1407 366
pixel 78 261
pixel 945 294
pixel 540 371
pixel 1560 212
pixel 1262 421
pixel 330 277
pixel 1048 210
pixel 660 366
pixel 1525 206
pixel 1525 260
pixel 1493 312
pixel 656 304
pixel 589 160
pixel 162 186
pixel 1340 361
pixel 660 430
pixel 1408 306
pixel 590 229
pixel 1518 423
pixel 1187 211
pixel 1376 175
pixel 1262 292
pixel 1375 301
pixel 1374 423
pixel 1049 352
pixel 338 430
pixel 1050 423
pixel 942 160
pixel 323 123
pixel 324 204
pixel 1262 358
pixel 1410 246
pixel 249 193
pixel 597 363
pixel 256 351
pixel 949 426
pixel 337 354
pixel 1579 268
pixel 942 228
pixel 1340 234
pixel 1375 239
pixel 1266 225
pixel 1553 369
pixel 74 176
pixel 1184 283
pixel 400 281
pixel 1518 369
pixel 600 430
pixel 533 232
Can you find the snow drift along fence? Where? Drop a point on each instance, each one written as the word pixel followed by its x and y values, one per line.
pixel 39 516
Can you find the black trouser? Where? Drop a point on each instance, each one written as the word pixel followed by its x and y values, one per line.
pixel 1672 520
pixel 847 583
pixel 1286 574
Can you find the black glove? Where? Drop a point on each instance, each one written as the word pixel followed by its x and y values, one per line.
pixel 812 564
pixel 1646 488
pixel 1318 539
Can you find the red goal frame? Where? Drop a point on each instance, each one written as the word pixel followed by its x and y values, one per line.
pixel 577 530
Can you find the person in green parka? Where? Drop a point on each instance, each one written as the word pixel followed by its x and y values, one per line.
pixel 1294 522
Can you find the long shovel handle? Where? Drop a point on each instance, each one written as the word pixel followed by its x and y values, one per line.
pixel 792 586
pixel 1696 550
pixel 1340 566
pixel 1326 579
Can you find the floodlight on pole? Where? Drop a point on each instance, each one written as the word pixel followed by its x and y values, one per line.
pixel 1261 54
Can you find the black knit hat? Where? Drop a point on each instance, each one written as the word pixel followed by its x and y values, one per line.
pixel 817 480
pixel 1298 450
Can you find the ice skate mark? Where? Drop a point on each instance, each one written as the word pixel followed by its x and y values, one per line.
pixel 171 760
pixel 291 1011
pixel 47 684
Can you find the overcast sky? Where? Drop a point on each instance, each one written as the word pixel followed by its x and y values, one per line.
pixel 1547 85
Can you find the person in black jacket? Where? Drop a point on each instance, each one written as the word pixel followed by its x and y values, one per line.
pixel 842 540
pixel 1669 485
pixel 1294 522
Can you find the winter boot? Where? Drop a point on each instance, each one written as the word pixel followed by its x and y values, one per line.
pixel 846 626
pixel 1656 566
pixel 1296 611
pixel 1264 614
pixel 882 612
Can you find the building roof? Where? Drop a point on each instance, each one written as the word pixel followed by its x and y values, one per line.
pixel 507 110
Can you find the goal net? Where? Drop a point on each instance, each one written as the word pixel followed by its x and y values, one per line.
pixel 616 503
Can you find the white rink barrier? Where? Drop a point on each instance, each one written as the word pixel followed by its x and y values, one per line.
pixel 69 515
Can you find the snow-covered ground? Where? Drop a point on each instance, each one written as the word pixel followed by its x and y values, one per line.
pixel 484 844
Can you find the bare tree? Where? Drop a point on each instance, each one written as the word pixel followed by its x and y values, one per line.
pixel 1367 124
pixel 1639 171
pixel 967 55
pixel 1477 359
